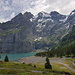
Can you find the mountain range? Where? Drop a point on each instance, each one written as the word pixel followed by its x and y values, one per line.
pixel 26 32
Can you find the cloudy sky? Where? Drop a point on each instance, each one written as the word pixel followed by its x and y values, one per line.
pixel 10 8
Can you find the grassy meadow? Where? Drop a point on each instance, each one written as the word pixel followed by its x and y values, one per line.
pixel 11 68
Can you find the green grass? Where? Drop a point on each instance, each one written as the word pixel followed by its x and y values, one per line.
pixel 11 31
pixel 11 68
pixel 69 59
pixel 60 67
pixel 69 62
pixel 57 69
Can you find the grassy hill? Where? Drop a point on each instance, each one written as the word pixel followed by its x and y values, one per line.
pixel 10 68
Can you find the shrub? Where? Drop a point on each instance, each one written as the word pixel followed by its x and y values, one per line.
pixel 6 59
pixel 44 72
pixel 0 56
pixel 30 64
pixel 47 64
pixel 35 66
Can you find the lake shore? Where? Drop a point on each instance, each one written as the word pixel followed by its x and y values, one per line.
pixel 31 59
pixel 39 60
pixel 15 57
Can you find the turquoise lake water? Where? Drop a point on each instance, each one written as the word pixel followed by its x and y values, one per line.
pixel 14 57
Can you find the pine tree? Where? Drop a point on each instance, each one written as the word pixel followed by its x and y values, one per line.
pixel 6 59
pixel 61 55
pixel 0 56
pixel 47 64
pixel 35 66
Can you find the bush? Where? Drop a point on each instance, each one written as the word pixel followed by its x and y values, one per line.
pixel 29 64
pixel 47 64
pixel 6 59
pixel 0 56
pixel 44 72
pixel 35 66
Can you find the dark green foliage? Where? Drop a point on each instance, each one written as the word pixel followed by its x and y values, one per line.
pixel 69 38
pixel 35 66
pixel 68 51
pixel 44 72
pixel 48 53
pixel 66 47
pixel 61 55
pixel 29 64
pixel 0 56
pixel 47 64
pixel 6 59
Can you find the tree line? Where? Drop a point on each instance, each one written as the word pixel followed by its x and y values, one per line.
pixel 68 51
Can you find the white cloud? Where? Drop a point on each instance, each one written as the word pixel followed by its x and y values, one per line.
pixel 62 6
pixel 10 8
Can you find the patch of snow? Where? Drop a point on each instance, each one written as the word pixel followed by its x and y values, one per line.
pixel 38 39
pixel 72 13
pixel 31 19
pixel 39 25
pixel 38 30
pixel 67 27
pixel 64 35
pixel 34 17
pixel 46 15
pixel 74 24
pixel 43 25
pixel 48 20
pixel 63 20
pixel 40 20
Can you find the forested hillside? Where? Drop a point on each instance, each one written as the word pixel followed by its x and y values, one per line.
pixel 66 47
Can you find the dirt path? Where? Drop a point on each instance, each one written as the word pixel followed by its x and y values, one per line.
pixel 73 63
pixel 67 66
pixel 11 68
pixel 61 61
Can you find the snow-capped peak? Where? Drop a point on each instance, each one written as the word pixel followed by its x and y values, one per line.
pixel 72 13
pixel 44 14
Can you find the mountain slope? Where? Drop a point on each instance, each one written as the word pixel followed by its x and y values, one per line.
pixel 67 40
pixel 66 47
pixel 26 32
pixel 52 27
pixel 14 34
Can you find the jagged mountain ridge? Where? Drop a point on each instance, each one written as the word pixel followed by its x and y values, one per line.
pixel 27 32
pixel 45 22
pixel 54 23
pixel 14 34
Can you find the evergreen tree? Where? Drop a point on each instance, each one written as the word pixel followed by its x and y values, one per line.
pixel 61 55
pixel 6 59
pixel 57 53
pixel 0 56
pixel 35 66
pixel 47 64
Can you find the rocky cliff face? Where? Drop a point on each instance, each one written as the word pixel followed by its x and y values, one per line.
pixel 14 34
pixel 27 32
pixel 53 25
pixel 47 23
